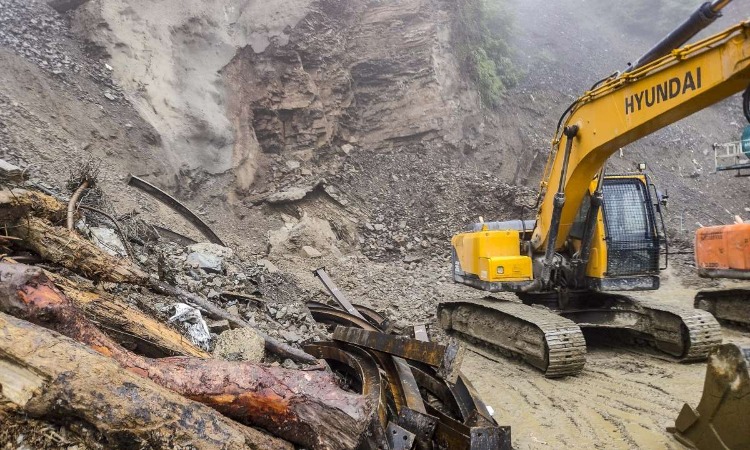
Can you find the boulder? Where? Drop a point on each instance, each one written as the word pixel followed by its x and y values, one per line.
pixel 209 257
pixel 311 252
pixel 240 344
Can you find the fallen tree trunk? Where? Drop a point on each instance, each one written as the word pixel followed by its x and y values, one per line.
pixel 307 408
pixel 48 376
pixel 127 325
pixel 65 247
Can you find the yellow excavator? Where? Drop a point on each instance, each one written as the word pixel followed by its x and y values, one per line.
pixel 596 233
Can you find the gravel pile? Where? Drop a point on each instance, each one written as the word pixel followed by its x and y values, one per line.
pixel 256 291
pixel 36 32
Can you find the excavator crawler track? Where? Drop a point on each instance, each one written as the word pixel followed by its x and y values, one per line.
pixel 700 332
pixel 540 337
pixel 729 305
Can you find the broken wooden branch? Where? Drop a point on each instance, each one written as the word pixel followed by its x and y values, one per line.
pixel 72 251
pixel 72 203
pixel 48 376
pixel 307 408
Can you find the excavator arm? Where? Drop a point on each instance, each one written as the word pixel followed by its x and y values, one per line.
pixel 630 106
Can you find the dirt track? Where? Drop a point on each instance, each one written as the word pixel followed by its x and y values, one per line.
pixel 624 399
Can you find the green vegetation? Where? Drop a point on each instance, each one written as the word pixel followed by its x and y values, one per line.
pixel 481 34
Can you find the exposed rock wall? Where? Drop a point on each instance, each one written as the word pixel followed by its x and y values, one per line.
pixel 353 72
pixel 168 54
pixel 228 83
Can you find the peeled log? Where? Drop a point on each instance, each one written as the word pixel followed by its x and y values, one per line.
pixel 49 376
pixel 127 325
pixel 65 247
pixel 307 408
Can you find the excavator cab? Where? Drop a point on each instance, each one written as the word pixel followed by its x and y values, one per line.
pixel 627 250
pixel 626 245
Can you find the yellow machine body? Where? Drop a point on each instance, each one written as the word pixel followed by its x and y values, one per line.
pixel 493 255
pixel 498 256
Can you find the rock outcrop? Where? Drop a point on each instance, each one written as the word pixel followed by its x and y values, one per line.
pixel 228 84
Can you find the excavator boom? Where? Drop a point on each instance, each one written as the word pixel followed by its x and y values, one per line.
pixel 633 105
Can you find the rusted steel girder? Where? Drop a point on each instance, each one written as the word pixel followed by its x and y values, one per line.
pixel 446 358
pixel 368 374
pixel 178 207
pixel 336 293
pixel 329 315
pixel 462 422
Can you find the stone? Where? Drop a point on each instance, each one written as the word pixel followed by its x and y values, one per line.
pixel 109 96
pixel 233 310
pixel 408 259
pixel 63 6
pixel 269 266
pixel 108 240
pixel 209 257
pixel 289 364
pixel 290 336
pixel 311 252
pixel 379 227
pixel 240 344
pixel 292 164
pixel 290 195
pixel 347 148
pixel 219 326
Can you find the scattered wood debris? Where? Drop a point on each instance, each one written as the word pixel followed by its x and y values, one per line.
pixel 155 374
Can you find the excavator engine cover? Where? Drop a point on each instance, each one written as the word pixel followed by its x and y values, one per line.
pixel 722 248
pixel 493 255
pixel 722 418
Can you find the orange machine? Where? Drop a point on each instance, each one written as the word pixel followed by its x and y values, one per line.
pixel 723 251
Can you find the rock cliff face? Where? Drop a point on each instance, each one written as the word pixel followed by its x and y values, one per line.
pixel 168 57
pixel 230 84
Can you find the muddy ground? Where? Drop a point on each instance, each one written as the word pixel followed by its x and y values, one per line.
pixel 624 398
